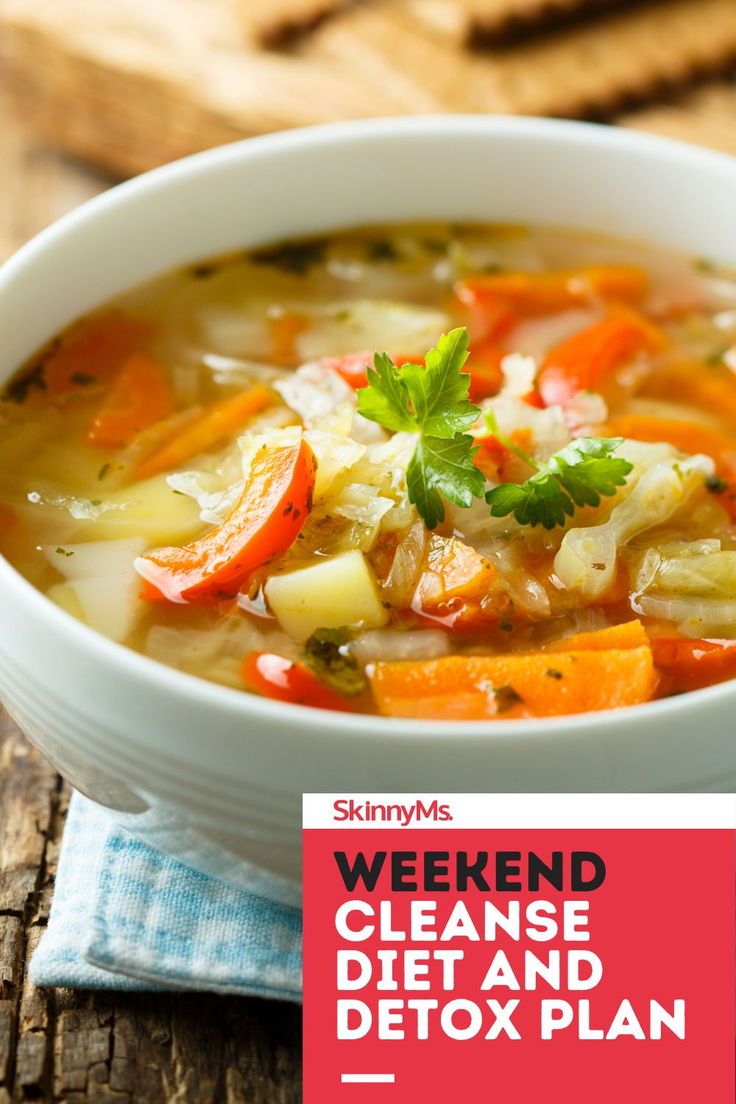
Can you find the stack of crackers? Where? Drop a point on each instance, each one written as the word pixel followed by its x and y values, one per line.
pixel 131 84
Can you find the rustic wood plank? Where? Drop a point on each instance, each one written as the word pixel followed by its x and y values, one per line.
pixel 707 116
pixel 130 86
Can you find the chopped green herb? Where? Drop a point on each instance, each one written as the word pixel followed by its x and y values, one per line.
pixel 554 673
pixel 327 654
pixel 383 249
pixel 578 475
pixel 506 698
pixel 64 552
pixel 82 379
pixel 435 245
pixel 103 471
pixel 203 271
pixel 431 400
pixel 716 357
pixel 294 257
pixel 506 626
pixel 22 384
pixel 716 485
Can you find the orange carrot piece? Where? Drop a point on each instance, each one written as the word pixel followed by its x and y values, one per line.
pixel 631 634
pixel 513 686
pixel 457 587
pixel 139 397
pixel 285 329
pixel 493 454
pixel 585 361
pixel 531 293
pixel 93 351
pixel 275 677
pixel 216 423
pixel 696 383
pixel 690 664
pixel 262 525
pixel 688 437
pixel 453 569
pixel 683 435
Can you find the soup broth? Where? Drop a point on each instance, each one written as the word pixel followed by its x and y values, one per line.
pixel 434 472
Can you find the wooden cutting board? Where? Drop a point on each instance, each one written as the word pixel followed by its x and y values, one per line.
pixel 130 85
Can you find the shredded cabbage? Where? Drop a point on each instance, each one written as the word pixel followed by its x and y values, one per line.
pixel 586 559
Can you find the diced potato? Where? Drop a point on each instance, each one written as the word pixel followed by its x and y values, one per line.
pixel 150 509
pixel 95 559
pixel 102 587
pixel 327 595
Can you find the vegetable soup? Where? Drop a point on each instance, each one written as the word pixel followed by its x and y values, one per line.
pixel 428 471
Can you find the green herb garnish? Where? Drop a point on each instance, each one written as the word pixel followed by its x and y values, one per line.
pixel 383 249
pixel 327 654
pixel 294 257
pixel 578 475
pixel 506 698
pixel 431 400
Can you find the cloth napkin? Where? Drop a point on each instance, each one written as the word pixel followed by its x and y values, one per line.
pixel 125 916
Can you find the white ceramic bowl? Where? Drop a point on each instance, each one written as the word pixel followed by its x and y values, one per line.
pixel 213 775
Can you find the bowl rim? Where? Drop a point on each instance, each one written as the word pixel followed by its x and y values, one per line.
pixel 95 647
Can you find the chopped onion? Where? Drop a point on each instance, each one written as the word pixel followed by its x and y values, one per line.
pixel 388 645
pixel 314 391
pixel 584 412
pixel 706 611
pixel 399 584
pixel 353 325
pixel 519 373
pixel 538 335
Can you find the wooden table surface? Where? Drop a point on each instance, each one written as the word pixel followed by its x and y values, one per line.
pixel 63 1045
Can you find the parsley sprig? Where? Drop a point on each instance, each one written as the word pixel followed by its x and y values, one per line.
pixel 578 475
pixel 431 400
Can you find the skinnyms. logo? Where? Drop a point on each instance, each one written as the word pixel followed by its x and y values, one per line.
pixel 403 814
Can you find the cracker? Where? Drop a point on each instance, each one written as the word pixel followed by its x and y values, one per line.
pixel 278 22
pixel 490 22
pixel 592 71
pixel 706 116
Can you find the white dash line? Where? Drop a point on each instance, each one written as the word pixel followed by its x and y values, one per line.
pixel 368 1078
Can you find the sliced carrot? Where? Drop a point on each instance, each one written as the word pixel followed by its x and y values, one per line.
pixel 513 686
pixel 692 664
pixel 693 382
pixel 531 293
pixel 688 437
pixel 457 587
pixel 585 361
pixel 139 397
pixel 492 454
pixel 453 569
pixel 263 524
pixel 275 677
pixel 285 329
pixel 93 351
pixel 215 425
pixel 631 634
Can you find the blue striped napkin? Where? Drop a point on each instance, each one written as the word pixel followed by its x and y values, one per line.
pixel 127 917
